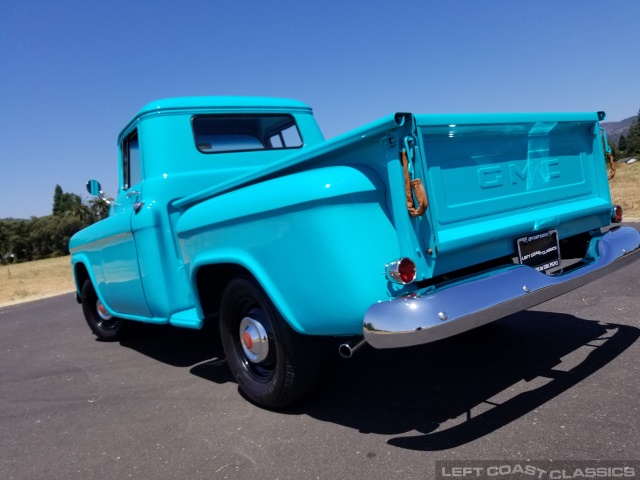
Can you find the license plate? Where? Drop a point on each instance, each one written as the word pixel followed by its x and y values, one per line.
pixel 540 251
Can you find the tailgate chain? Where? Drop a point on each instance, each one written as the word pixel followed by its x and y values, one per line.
pixel 612 165
pixel 411 188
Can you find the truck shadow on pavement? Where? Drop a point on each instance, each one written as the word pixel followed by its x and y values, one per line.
pixel 457 390
pixel 451 392
pixel 180 347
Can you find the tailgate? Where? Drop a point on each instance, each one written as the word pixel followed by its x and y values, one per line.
pixel 493 177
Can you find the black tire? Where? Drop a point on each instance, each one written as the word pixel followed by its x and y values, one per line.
pixel 106 328
pixel 288 370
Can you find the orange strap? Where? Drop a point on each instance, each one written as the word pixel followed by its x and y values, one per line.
pixel 613 167
pixel 411 188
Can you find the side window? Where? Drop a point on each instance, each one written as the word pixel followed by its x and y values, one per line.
pixel 131 159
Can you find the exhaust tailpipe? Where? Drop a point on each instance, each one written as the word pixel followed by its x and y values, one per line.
pixel 347 350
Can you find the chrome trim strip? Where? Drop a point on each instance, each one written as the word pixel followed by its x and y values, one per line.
pixel 456 307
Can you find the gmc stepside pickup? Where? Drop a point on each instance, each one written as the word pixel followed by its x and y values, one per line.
pixel 408 230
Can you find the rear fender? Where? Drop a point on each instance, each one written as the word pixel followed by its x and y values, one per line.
pixel 316 241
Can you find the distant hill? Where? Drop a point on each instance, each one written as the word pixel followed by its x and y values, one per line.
pixel 615 129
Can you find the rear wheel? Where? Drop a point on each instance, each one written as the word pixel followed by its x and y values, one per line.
pixel 273 365
pixel 103 325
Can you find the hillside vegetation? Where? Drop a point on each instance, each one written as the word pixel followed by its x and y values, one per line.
pixel 48 237
pixel 624 137
pixel 615 129
pixel 625 189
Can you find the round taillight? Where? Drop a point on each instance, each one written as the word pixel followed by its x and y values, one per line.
pixel 407 270
pixel 616 213
pixel 402 270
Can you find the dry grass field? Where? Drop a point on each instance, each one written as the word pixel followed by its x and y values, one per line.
pixel 44 278
pixel 625 189
pixel 22 282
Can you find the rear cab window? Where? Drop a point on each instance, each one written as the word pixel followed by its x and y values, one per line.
pixel 239 132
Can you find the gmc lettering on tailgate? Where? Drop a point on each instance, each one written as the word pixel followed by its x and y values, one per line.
pixel 495 175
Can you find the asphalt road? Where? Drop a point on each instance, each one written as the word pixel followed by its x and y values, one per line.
pixel 560 381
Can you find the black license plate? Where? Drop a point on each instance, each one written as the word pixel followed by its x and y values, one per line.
pixel 540 251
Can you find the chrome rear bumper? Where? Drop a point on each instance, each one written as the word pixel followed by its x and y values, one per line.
pixel 455 307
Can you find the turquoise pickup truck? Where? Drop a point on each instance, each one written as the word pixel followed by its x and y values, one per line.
pixel 236 210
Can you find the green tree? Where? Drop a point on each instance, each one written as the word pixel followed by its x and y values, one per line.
pixel 612 146
pixel 78 208
pixel 65 230
pixel 99 206
pixel 19 239
pixel 70 201
pixel 622 143
pixel 44 237
pixel 5 246
pixel 57 201
pixel 64 202
pixel 633 138
pixel 42 233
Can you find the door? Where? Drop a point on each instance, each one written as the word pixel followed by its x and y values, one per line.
pixel 123 289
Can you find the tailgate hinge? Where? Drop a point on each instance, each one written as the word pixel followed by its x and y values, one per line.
pixel 608 152
pixel 606 143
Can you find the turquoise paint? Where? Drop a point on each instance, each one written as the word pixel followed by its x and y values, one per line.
pixel 187 319
pixel 493 177
pixel 293 191
pixel 298 230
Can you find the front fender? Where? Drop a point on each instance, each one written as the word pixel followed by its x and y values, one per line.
pixel 81 260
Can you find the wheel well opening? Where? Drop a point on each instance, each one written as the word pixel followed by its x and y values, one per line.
pixel 81 275
pixel 211 281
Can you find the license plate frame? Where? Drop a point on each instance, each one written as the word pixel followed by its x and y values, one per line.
pixel 540 251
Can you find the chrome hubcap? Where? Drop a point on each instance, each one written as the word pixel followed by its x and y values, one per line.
pixel 102 312
pixel 254 340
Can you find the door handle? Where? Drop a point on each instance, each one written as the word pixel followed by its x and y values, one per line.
pixel 132 193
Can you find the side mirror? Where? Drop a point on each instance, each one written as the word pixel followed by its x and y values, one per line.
pixel 94 188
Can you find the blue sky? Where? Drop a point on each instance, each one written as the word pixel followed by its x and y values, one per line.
pixel 72 73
